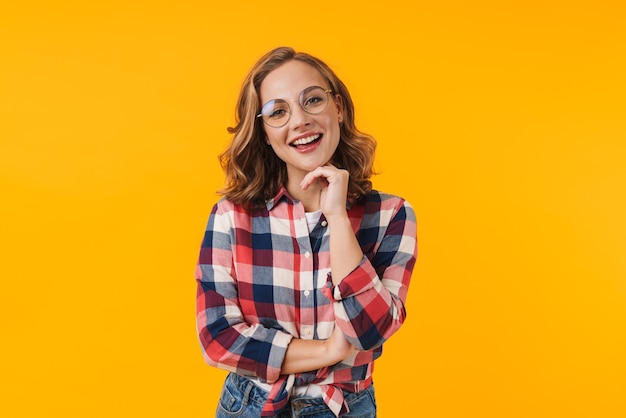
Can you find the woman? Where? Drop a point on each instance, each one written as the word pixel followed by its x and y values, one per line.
pixel 304 269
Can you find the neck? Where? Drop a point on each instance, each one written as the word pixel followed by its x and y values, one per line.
pixel 310 198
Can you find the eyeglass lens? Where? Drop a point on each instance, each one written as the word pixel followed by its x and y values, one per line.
pixel 312 100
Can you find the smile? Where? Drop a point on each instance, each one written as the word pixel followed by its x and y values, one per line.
pixel 306 141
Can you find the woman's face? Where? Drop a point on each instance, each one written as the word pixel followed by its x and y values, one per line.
pixel 306 141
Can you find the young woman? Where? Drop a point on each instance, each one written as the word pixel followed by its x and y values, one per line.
pixel 304 269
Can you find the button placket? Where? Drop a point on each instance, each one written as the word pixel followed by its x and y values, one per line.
pixel 306 274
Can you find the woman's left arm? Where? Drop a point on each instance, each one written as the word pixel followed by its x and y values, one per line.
pixel 369 291
pixel 369 300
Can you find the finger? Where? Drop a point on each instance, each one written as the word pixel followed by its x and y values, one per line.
pixel 307 181
pixel 311 177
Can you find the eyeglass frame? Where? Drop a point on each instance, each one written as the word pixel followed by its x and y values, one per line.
pixel 327 91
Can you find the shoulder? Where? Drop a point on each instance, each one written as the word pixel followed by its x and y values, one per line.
pixel 378 209
pixel 383 215
pixel 225 206
pixel 376 201
pixel 226 215
pixel 236 215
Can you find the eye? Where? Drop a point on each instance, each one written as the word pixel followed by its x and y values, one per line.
pixel 314 101
pixel 277 113
pixel 275 110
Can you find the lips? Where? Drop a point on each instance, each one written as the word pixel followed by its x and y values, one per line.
pixel 307 140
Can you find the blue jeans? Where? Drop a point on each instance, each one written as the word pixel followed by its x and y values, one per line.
pixel 242 398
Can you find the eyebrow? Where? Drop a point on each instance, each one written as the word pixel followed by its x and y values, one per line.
pixel 299 94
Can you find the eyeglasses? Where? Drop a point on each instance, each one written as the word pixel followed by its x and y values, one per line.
pixel 312 100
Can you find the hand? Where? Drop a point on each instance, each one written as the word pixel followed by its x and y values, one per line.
pixel 334 188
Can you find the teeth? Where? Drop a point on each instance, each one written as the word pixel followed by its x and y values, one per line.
pixel 304 141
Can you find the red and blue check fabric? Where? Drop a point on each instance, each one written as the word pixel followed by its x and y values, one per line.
pixel 264 279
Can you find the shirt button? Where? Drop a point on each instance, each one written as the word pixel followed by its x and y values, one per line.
pixel 307 293
pixel 307 254
pixel 324 223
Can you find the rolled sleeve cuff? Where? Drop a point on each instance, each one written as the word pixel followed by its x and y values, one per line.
pixel 271 372
pixel 362 278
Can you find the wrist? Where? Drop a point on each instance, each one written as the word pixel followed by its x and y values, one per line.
pixel 338 219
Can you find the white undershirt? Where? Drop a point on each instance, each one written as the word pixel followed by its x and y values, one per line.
pixel 312 218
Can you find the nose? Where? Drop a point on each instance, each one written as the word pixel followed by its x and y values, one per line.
pixel 299 117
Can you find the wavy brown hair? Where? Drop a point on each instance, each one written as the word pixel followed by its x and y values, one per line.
pixel 254 173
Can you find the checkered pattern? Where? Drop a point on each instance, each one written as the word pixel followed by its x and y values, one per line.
pixel 263 279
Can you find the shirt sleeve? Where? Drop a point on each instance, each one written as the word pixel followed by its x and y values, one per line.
pixel 227 341
pixel 369 301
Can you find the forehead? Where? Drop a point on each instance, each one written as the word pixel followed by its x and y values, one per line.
pixel 288 80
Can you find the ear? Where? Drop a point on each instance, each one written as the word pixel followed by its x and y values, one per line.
pixel 339 105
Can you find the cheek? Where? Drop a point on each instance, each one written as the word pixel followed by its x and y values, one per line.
pixel 273 137
pixel 334 123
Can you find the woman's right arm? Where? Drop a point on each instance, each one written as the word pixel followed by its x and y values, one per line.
pixel 227 341
pixel 306 355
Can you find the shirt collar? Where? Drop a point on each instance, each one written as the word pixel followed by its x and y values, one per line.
pixel 273 202
pixel 284 194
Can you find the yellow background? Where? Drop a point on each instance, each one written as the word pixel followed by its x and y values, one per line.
pixel 502 122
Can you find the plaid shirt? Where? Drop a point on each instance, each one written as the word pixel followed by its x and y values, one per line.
pixel 264 279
